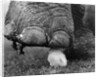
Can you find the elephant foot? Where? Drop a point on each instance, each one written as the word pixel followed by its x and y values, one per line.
pixel 57 58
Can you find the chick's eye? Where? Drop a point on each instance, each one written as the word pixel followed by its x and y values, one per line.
pixel 21 35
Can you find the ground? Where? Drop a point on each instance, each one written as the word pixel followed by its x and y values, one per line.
pixel 34 62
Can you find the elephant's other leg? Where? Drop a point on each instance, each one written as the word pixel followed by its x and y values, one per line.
pixel 89 17
pixel 57 58
pixel 78 12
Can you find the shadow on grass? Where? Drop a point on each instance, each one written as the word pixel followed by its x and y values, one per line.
pixel 82 52
pixel 79 54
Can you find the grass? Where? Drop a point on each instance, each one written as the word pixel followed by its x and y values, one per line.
pixel 34 62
